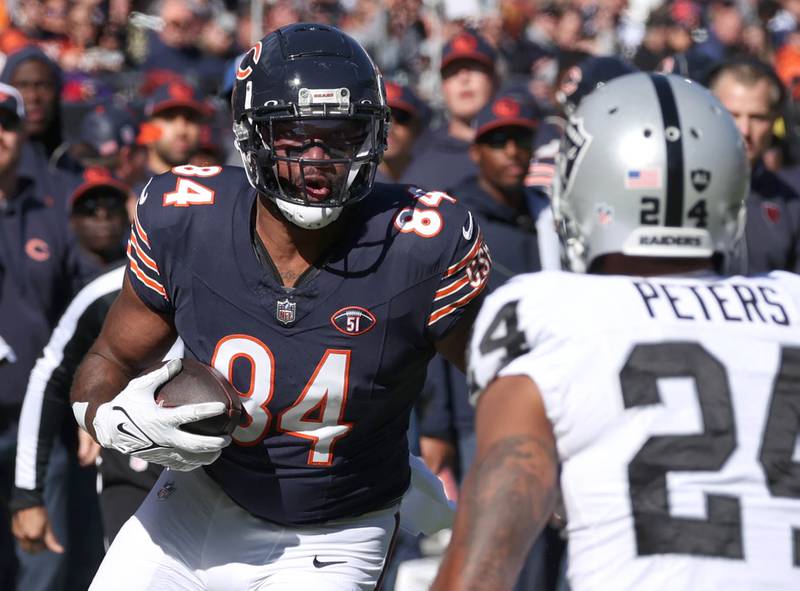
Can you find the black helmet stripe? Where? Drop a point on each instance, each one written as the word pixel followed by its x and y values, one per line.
pixel 673 138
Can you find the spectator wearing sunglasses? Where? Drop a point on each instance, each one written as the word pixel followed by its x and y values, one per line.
pixel 468 82
pixel 409 115
pixel 501 151
pixel 41 269
pixel 99 215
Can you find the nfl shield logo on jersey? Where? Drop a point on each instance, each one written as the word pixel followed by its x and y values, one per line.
pixel 285 312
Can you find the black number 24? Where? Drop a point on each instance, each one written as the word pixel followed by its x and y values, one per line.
pixel 720 535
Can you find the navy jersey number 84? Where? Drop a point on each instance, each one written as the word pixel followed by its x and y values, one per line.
pixel 329 370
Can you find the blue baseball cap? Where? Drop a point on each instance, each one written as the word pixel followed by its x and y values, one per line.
pixel 96 178
pixel 400 96
pixel 588 75
pixel 507 110
pixel 176 94
pixel 106 129
pixel 468 46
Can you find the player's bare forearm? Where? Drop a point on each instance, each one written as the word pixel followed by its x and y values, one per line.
pixel 96 382
pixel 133 338
pixel 508 495
pixel 504 503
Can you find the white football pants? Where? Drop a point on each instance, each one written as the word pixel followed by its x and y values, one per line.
pixel 189 535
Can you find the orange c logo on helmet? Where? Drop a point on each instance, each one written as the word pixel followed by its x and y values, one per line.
pixel 506 107
pixel 464 43
pixel 243 73
pixel 37 249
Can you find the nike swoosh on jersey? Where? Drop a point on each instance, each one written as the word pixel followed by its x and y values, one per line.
pixel 143 197
pixel 319 564
pixel 466 231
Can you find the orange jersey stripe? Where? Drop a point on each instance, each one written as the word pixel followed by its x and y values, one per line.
pixel 142 254
pixel 450 289
pixel 449 309
pixel 139 230
pixel 453 269
pixel 150 283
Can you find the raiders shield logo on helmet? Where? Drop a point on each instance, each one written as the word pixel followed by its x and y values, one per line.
pixel 701 178
pixel 576 141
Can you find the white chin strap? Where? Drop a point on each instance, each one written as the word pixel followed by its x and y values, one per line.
pixel 310 218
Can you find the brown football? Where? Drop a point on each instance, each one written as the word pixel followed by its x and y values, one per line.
pixel 198 382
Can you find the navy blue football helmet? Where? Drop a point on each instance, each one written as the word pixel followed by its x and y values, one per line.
pixel 310 121
pixel 587 76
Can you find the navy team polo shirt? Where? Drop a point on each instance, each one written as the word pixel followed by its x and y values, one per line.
pixel 41 270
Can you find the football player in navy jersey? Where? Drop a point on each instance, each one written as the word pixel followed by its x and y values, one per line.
pixel 321 296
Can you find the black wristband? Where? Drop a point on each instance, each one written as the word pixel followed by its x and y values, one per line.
pixel 24 498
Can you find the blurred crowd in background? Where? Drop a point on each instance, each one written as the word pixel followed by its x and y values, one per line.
pixel 123 49
pixel 116 91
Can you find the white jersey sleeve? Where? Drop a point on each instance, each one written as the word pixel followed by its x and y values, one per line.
pixel 675 403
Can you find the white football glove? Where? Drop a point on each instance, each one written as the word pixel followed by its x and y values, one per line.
pixel 132 423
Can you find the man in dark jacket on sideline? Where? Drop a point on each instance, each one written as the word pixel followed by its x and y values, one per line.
pixel 753 94
pixel 468 83
pixel 39 81
pixel 496 197
pixel 41 270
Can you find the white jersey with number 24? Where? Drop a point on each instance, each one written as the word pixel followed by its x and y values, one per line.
pixel 675 402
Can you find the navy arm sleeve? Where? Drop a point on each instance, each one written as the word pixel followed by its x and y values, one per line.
pixel 464 277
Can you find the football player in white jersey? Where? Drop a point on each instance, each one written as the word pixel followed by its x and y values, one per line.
pixel 662 394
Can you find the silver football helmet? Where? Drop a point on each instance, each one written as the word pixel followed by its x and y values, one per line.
pixel 651 165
